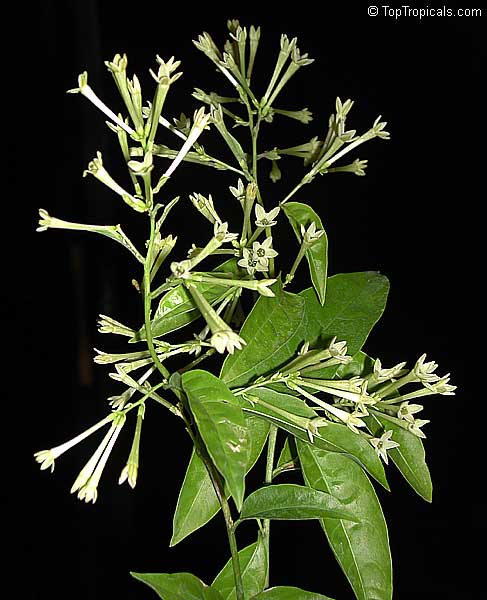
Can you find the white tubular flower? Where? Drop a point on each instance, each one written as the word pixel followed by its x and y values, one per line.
pixel 311 234
pixel 96 168
pixel 384 443
pixel 239 191
pixel 406 411
pixel 265 219
pixel 131 469
pixel 46 458
pixel 338 351
pixel 263 252
pixel 415 427
pixel 226 340
pixel 88 93
pixel 86 483
pixel 442 386
pixel 263 287
pixel 379 129
pixel 250 262
pixel 220 232
pixel 200 122
pixel 380 374
pixel 424 372
pixel 206 207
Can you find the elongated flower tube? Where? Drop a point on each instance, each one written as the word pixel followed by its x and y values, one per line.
pixel 86 484
pixel 130 471
pixel 46 458
pixel 223 337
pixel 200 122
pixel 96 168
pixel 88 93
pixel 113 232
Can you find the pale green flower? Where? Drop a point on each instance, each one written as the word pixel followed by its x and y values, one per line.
pixel 226 340
pixel 311 234
pixel 265 219
pixel 415 427
pixel 262 252
pixel 384 443
pixel 406 411
pixel 250 262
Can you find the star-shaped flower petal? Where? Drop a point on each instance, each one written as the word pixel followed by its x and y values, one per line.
pixel 382 444
pixel 265 219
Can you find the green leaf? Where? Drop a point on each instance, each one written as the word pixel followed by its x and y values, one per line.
pixel 273 332
pixel 221 424
pixel 177 309
pixel 198 502
pixel 178 586
pixel 276 327
pixel 285 592
pixel 253 566
pixel 354 304
pixel 409 458
pixel 361 548
pixel 291 501
pixel 317 255
pixel 333 437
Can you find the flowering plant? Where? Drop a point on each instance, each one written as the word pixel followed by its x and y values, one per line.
pixel 294 384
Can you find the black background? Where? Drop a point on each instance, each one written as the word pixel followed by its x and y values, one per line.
pixel 416 217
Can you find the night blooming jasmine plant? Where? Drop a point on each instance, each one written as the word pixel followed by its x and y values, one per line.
pixel 293 383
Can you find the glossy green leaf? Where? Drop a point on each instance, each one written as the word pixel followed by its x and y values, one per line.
pixel 273 332
pixel 409 457
pixel 285 592
pixel 292 502
pixel 177 309
pixel 197 502
pixel 221 424
pixel 178 586
pixel 333 437
pixel 317 255
pixel 361 548
pixel 354 304
pixel 276 327
pixel 253 566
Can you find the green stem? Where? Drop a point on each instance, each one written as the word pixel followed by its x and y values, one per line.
pixel 271 448
pixel 291 193
pixel 219 487
pixel 147 299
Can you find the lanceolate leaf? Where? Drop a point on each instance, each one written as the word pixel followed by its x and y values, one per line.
pixel 333 437
pixel 197 502
pixel 221 424
pixel 354 304
pixel 361 548
pixel 176 307
pixel 178 586
pixel 409 457
pixel 285 592
pixel 295 502
pixel 317 255
pixel 273 332
pixel 253 566
pixel 276 327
